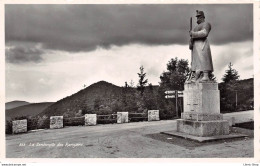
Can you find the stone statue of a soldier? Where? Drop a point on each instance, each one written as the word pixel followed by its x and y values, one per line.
pixel 201 64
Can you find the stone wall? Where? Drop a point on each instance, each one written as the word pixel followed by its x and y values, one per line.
pixel 90 119
pixel 19 126
pixel 122 117
pixel 56 122
pixel 153 115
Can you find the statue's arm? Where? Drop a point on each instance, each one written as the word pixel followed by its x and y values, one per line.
pixel 202 33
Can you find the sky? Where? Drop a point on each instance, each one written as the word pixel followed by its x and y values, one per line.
pixel 52 51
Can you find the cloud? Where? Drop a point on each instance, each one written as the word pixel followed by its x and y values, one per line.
pixel 24 53
pixel 82 28
pixel 249 67
pixel 239 54
pixel 66 74
pixel 233 52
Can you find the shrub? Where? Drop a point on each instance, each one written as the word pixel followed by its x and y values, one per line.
pixel 32 124
pixel 8 127
pixel 43 122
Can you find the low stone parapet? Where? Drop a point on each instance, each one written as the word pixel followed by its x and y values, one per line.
pixel 56 122
pixel 19 126
pixel 90 119
pixel 122 117
pixel 153 115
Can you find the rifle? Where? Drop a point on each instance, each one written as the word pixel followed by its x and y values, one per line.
pixel 191 40
pixel 188 80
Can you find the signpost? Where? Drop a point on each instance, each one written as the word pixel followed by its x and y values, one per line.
pixel 169 96
pixel 174 94
pixel 180 93
pixel 170 92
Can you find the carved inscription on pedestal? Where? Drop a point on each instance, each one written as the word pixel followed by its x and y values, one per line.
pixel 193 100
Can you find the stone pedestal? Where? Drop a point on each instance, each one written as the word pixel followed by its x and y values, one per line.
pixel 201 116
pixel 19 126
pixel 122 117
pixel 201 98
pixel 153 115
pixel 90 119
pixel 203 128
pixel 56 122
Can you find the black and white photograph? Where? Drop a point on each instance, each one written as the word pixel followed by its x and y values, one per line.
pixel 145 80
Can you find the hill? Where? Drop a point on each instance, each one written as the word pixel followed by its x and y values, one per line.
pixel 26 110
pixel 105 98
pixel 100 92
pixel 14 104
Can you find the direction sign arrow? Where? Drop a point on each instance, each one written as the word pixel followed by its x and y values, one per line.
pixel 169 96
pixel 170 92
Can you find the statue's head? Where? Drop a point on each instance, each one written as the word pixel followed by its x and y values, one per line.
pixel 200 16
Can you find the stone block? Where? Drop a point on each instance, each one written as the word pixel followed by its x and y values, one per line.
pixel 153 115
pixel 231 121
pixel 19 126
pixel 90 119
pixel 203 128
pixel 56 122
pixel 202 98
pixel 201 86
pixel 122 117
pixel 201 116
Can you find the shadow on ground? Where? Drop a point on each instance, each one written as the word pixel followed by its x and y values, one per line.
pixel 189 144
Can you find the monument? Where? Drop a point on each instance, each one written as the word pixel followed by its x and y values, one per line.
pixel 201 119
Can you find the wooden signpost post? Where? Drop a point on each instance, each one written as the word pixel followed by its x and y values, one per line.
pixel 174 94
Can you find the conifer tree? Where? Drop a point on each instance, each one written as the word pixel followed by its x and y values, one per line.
pixel 142 81
pixel 231 74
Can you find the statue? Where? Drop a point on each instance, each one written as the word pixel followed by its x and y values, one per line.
pixel 201 63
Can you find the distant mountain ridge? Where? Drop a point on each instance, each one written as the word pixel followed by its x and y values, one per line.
pixel 27 110
pixel 14 104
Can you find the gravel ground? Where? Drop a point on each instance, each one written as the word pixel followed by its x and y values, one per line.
pixel 131 140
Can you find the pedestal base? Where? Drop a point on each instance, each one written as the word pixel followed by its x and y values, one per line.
pixel 203 128
pixel 203 139
pixel 201 116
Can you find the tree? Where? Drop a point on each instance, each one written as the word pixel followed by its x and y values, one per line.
pixel 172 79
pixel 228 90
pixel 142 81
pixel 126 84
pixel 231 74
pixel 176 74
pixel 97 103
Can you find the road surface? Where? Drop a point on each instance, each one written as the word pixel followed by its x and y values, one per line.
pixel 129 140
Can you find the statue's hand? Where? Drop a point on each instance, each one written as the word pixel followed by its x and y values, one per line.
pixel 191 44
pixel 190 32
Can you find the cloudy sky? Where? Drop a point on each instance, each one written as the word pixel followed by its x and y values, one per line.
pixel 52 51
